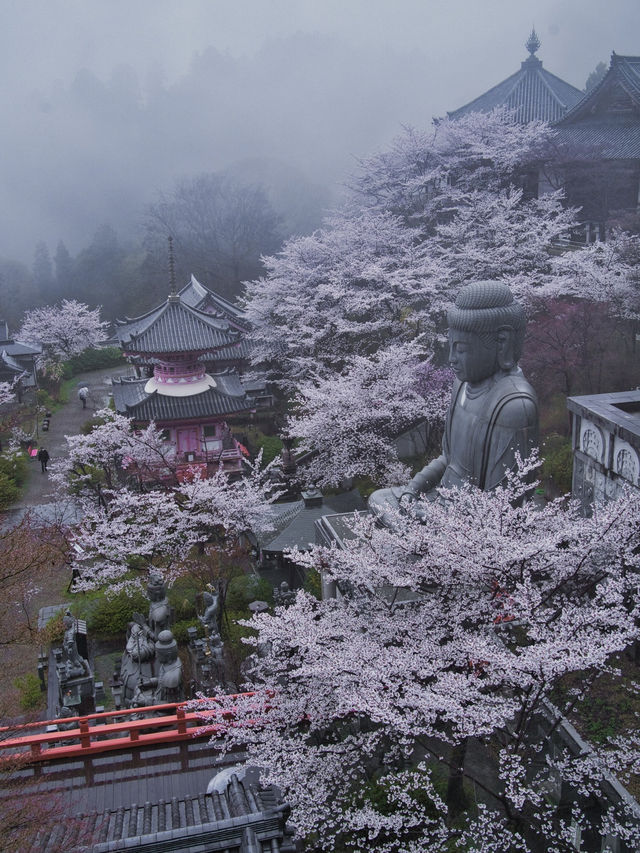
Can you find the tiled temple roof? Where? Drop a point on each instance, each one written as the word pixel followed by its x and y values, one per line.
pixel 533 93
pixel 294 523
pixel 175 327
pixel 196 295
pixel 227 398
pixel 608 116
pixel 230 820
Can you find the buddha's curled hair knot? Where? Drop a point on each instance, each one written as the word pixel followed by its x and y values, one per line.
pixel 485 307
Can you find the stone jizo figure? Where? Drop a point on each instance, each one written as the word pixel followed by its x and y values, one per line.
pixel 493 412
pixel 159 609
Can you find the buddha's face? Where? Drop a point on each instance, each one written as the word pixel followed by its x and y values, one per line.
pixel 472 359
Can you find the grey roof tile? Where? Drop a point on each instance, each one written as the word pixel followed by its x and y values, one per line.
pixel 532 92
pixel 196 295
pixel 227 398
pixel 295 523
pixel 174 327
pixel 608 116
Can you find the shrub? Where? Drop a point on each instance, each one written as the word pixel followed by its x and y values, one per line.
pixel 9 491
pixel 87 426
pixel 244 589
pixel 14 466
pixel 558 462
pixel 53 632
pixel 182 597
pixel 93 359
pixel 179 629
pixel 236 651
pixel 271 447
pixel 44 399
pixel 31 696
pixel 109 614
pixel 313 583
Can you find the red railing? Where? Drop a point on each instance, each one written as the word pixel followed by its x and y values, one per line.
pixel 92 733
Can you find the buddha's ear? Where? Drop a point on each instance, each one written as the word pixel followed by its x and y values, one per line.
pixel 506 347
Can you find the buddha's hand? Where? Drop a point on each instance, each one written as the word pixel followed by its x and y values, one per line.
pixel 407 497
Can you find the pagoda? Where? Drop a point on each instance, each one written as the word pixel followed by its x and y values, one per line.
pixel 532 93
pixel 172 347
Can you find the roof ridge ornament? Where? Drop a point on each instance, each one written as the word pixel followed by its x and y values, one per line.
pixel 533 42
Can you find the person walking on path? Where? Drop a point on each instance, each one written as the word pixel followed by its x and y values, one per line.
pixel 83 393
pixel 43 458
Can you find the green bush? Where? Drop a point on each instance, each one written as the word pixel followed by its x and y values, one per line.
pixel 244 589
pixel 179 629
pixel 182 597
pixel 93 359
pixel 109 614
pixel 313 583
pixel 233 635
pixel 45 400
pixel 31 696
pixel 15 467
pixel 9 492
pixel 271 447
pixel 558 462
pixel 88 426
pixel 53 632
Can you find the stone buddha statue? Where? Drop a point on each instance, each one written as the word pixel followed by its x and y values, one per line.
pixel 167 684
pixel 493 412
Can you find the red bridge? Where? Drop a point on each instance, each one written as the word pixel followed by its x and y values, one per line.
pixel 109 731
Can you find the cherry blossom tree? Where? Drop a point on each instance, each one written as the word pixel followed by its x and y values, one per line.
pixel 354 286
pixel 7 394
pixel 605 273
pixel 442 207
pixel 112 453
pixel 130 518
pixel 158 530
pixel 63 330
pixel 349 421
pixel 441 651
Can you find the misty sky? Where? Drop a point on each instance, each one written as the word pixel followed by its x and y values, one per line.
pixel 105 103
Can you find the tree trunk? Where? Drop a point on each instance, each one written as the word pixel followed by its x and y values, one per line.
pixel 456 797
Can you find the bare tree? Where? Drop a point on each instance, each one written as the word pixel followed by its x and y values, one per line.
pixel 220 227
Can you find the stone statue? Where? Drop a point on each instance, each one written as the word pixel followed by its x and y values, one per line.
pixel 166 685
pixel 159 608
pixel 493 412
pixel 75 665
pixel 140 641
pixel 282 595
pixel 209 618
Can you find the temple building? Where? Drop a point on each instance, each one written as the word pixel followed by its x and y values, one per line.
pixel 533 93
pixel 17 362
pixel 185 381
pixel 605 126
pixel 597 161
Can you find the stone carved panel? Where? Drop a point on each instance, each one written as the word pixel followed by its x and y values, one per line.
pixel 626 462
pixel 592 440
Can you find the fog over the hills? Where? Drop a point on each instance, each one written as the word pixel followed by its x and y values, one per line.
pixel 106 103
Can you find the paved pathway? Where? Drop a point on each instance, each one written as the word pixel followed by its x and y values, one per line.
pixel 37 495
